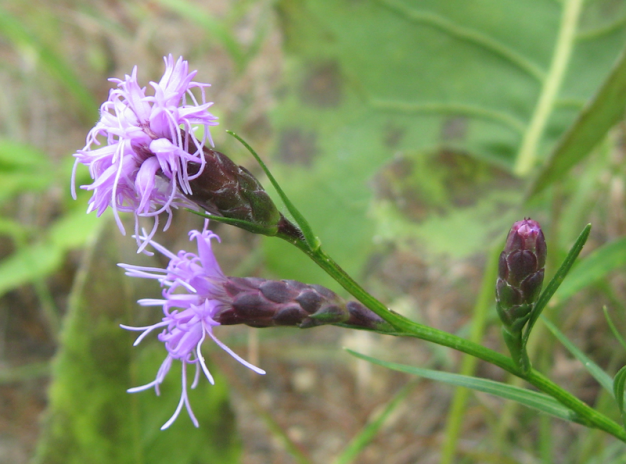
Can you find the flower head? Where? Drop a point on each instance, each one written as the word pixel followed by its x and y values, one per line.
pixel 150 141
pixel 520 273
pixel 193 297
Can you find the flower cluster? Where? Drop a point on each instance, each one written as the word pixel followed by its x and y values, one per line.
pixel 193 297
pixel 150 142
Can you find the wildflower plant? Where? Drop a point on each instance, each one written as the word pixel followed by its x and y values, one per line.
pixel 152 162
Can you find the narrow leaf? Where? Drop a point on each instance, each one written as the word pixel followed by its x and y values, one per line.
pixel 28 264
pixel 618 387
pixel 616 333
pixel 596 372
pixel 529 398
pixel 53 64
pixel 604 110
pixel 214 27
pixel 365 436
pixel 618 391
pixel 556 281
pixel 594 267
pixel 15 154
pixel 312 240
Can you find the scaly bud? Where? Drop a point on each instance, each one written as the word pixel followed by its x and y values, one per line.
pixel 520 273
pixel 226 189
pixel 520 278
pixel 267 303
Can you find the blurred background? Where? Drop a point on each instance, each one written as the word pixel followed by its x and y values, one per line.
pixel 411 134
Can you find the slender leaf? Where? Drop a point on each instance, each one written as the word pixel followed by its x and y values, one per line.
pixel 592 268
pixel 311 238
pixel 28 264
pixel 604 110
pixel 529 398
pixel 18 33
pixel 556 281
pixel 618 390
pixel 214 27
pixel 596 371
pixel 35 261
pixel 365 436
pixel 15 154
pixel 616 333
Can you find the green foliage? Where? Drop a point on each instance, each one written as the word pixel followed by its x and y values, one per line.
pixel 29 42
pixel 23 168
pixel 596 371
pixel 528 398
pixel 384 86
pixel 590 270
pixel 91 418
pixel 598 116
pixel 619 385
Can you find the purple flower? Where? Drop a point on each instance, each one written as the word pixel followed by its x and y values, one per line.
pixel 143 168
pixel 193 296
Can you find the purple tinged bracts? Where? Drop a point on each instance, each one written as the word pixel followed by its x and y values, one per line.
pixel 198 298
pixel 520 272
pixel 520 278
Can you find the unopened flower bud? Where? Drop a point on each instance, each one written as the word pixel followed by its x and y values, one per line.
pixel 226 189
pixel 267 303
pixel 520 273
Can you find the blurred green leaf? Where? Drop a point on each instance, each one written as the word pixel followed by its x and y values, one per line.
pixel 373 426
pixel 91 418
pixel 40 259
pixel 29 263
pixel 73 230
pixel 599 115
pixel 591 269
pixel 215 28
pixel 596 371
pixel 618 390
pixel 392 86
pixel 529 398
pixel 23 168
pixel 18 32
pixel 616 334
pixel 17 155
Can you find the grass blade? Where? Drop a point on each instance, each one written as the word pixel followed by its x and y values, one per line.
pixel 596 372
pixel 359 442
pixel 312 240
pixel 529 398
pixel 616 333
pixel 618 391
pixel 604 110
pixel 594 267
pixel 52 63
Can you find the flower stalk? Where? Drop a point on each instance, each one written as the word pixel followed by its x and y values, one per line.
pixel 401 326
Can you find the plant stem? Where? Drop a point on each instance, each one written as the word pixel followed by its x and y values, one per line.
pixel 407 328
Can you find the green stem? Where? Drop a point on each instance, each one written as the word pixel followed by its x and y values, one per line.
pixel 549 92
pixel 407 328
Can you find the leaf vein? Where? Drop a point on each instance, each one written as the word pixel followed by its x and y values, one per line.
pixel 469 35
pixel 453 109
